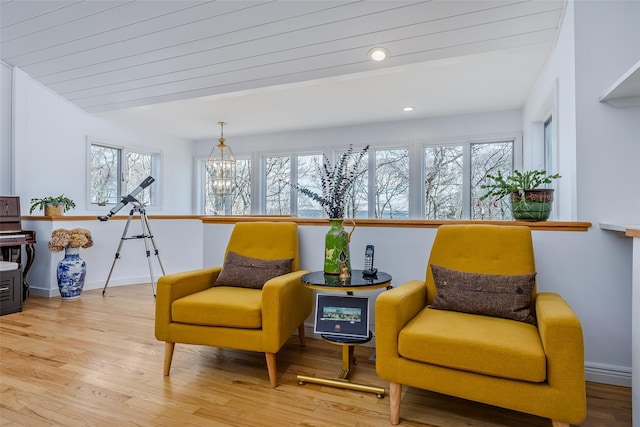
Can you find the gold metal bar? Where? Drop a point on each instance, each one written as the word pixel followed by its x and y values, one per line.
pixel 378 391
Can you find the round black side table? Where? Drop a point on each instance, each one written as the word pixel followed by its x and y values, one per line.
pixel 318 280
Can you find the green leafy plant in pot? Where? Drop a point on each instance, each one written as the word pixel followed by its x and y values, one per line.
pixel 52 205
pixel 528 201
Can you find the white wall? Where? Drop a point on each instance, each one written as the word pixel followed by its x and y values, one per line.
pixel 608 149
pixel 554 92
pixel 376 134
pixel 6 163
pixel 179 245
pixel 51 150
pixel 598 150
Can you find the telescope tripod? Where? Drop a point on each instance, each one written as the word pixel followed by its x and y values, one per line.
pixel 146 236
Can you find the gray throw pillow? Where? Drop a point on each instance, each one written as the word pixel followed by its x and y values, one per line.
pixel 246 272
pixel 506 296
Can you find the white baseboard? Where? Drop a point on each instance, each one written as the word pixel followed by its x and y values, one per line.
pixel 54 292
pixel 608 374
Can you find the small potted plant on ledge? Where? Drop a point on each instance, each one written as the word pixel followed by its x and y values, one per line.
pixel 52 205
pixel 528 201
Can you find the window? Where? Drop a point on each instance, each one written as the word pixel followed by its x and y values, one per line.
pixel 391 186
pixel 548 145
pixel 454 174
pixel 308 176
pixel 277 191
pixel 443 185
pixel 280 197
pixel 117 171
pixel 489 158
pixel 388 183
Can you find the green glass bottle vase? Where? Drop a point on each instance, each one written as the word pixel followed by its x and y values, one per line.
pixel 336 248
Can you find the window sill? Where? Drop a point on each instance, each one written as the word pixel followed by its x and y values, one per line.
pixel 408 223
pixel 360 222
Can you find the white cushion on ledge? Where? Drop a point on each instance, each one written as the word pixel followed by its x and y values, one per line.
pixel 7 266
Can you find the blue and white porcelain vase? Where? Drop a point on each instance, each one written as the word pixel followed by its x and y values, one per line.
pixel 71 273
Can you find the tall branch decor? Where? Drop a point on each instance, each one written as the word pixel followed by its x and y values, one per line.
pixel 337 180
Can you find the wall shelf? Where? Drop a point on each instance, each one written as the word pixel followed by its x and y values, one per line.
pixel 625 92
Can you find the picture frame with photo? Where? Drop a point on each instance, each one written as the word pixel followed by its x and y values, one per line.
pixel 346 315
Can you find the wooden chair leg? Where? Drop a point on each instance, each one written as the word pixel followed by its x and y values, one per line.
pixel 395 393
pixel 301 335
pixel 273 370
pixel 555 423
pixel 168 356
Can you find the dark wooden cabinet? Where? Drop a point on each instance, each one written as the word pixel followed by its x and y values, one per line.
pixel 13 237
pixel 10 291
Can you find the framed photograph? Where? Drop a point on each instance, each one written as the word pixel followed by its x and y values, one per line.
pixel 342 315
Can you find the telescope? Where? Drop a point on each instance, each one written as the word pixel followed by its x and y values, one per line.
pixel 130 198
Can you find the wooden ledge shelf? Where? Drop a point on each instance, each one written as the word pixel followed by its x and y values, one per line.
pixel 402 223
pixel 113 218
pixel 360 222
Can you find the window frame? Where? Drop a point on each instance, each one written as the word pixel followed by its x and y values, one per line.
pixel 465 143
pixel 156 172
pixel 416 149
pixel 293 177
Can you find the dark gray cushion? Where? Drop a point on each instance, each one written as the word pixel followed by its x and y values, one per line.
pixel 246 272
pixel 494 295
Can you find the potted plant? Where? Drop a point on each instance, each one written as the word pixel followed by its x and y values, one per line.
pixel 52 205
pixel 528 202
pixel 337 180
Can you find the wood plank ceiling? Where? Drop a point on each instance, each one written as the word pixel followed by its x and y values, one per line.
pixel 109 55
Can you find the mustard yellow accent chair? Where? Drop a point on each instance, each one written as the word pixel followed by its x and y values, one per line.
pixel 191 310
pixel 496 361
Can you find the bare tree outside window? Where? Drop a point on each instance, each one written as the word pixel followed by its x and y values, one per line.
pixel 453 174
pixel 308 174
pixel 277 191
pixel 357 204
pixel 138 168
pixel 105 173
pixel 443 185
pixel 392 183
pixel 115 172
pixel 241 199
pixel 489 158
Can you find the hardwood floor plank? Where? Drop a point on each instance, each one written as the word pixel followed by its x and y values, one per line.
pixel 95 361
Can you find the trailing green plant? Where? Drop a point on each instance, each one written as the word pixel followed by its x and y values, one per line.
pixel 336 181
pixel 59 200
pixel 518 182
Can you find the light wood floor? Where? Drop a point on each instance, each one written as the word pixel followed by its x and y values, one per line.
pixel 95 362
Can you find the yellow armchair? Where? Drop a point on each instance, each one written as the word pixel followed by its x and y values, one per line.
pixel 191 310
pixel 516 365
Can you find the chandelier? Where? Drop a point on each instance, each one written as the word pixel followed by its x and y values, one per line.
pixel 221 167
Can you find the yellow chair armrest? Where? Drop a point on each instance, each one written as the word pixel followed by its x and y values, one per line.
pixel 286 303
pixel 394 309
pixel 562 340
pixel 175 286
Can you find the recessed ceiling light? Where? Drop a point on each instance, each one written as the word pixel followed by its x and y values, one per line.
pixel 407 109
pixel 378 54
